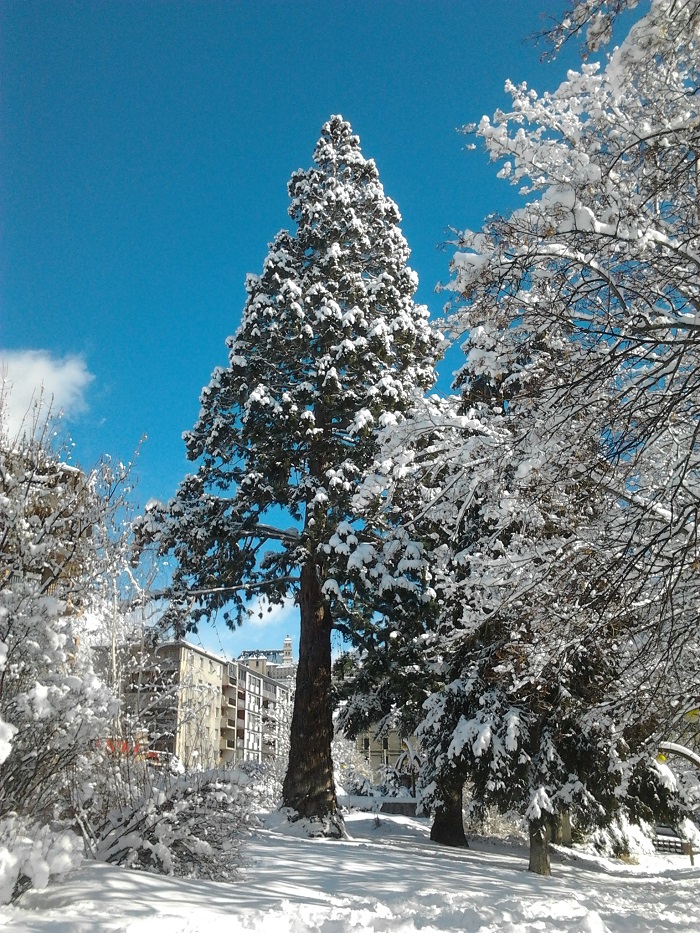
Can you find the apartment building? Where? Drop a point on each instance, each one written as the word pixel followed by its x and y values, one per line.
pixel 259 729
pixel 380 752
pixel 203 709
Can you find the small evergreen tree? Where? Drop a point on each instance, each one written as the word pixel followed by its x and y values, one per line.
pixel 331 345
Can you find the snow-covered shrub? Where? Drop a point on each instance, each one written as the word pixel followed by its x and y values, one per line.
pixel 622 839
pixel 113 784
pixel 688 778
pixel 188 825
pixel 171 821
pixel 354 782
pixel 690 830
pixel 265 783
pixel 352 772
pixel 30 854
pixel 54 521
pixel 492 823
pixel 57 707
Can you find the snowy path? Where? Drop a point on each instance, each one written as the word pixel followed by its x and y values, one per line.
pixel 388 878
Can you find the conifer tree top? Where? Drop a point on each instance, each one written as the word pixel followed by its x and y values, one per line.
pixel 338 143
pixel 331 345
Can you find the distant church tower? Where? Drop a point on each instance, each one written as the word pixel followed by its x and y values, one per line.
pixel 287 656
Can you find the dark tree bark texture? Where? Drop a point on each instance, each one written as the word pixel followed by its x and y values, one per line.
pixel 448 826
pixel 308 786
pixel 539 846
pixel 561 828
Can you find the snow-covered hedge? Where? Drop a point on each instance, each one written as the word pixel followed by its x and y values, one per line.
pixel 30 854
pixel 188 824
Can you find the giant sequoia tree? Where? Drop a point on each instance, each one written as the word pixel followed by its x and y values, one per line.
pixel 331 344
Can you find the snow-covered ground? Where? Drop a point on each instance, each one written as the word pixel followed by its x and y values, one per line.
pixel 387 877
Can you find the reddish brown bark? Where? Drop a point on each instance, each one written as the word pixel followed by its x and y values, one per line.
pixel 309 788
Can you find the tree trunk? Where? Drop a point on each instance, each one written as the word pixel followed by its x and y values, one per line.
pixel 561 828
pixel 539 846
pixel 308 785
pixel 448 826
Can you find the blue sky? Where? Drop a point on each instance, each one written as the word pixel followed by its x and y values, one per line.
pixel 145 149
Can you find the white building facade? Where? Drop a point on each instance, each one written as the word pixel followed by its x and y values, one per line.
pixel 205 710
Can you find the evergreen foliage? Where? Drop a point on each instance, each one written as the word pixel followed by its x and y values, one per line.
pixel 599 269
pixel 558 525
pixel 331 346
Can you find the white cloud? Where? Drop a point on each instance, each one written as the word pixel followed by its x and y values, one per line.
pixel 266 616
pixel 255 633
pixel 26 373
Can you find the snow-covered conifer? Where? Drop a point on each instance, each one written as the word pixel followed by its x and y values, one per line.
pixel 602 263
pixel 606 248
pixel 331 345
pixel 530 697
